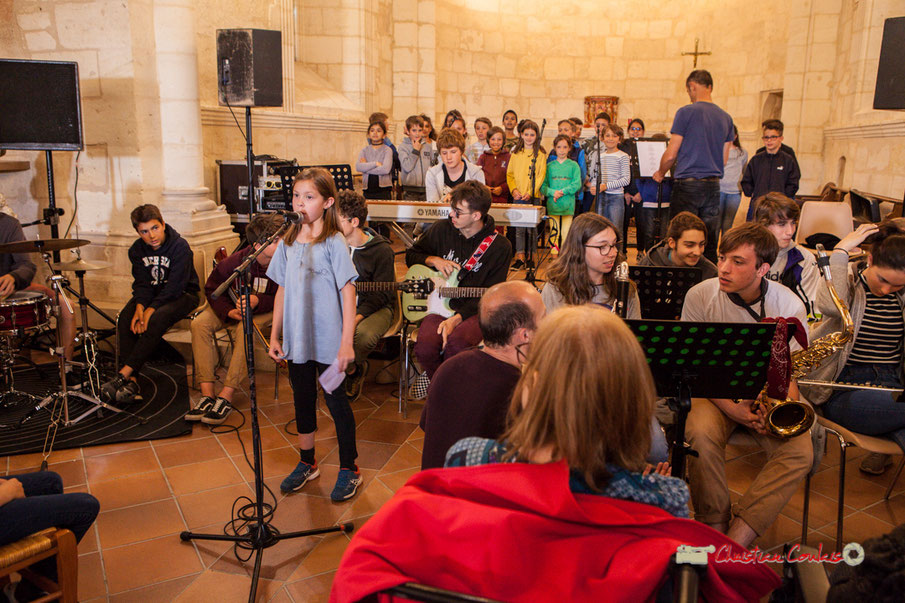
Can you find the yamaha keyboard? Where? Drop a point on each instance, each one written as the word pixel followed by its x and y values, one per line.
pixel 504 214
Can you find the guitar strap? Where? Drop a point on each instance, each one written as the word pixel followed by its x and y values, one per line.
pixel 479 252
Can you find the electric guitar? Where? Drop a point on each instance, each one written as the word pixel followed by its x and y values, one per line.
pixel 440 290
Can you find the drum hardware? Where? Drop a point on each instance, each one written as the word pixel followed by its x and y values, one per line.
pixel 20 313
pixel 57 403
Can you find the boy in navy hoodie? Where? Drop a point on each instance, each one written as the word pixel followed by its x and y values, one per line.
pixel 164 291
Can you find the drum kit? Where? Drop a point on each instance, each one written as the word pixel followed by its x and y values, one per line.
pixel 25 313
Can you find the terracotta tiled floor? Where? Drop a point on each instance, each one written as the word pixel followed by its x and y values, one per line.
pixel 152 491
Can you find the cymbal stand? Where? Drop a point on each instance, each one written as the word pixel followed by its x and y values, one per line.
pixel 87 338
pixel 63 396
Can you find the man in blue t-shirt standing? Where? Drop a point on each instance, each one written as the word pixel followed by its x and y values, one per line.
pixel 699 148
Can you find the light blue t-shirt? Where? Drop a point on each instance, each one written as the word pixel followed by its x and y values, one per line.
pixel 312 277
pixel 704 129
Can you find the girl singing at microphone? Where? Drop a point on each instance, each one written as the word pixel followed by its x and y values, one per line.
pixel 314 309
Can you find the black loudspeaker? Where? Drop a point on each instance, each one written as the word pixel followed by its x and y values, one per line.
pixel 890 90
pixel 40 107
pixel 250 67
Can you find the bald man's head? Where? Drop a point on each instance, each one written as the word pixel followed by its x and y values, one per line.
pixel 507 307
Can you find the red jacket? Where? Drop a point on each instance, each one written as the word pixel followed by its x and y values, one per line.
pixel 515 532
pixel 494 166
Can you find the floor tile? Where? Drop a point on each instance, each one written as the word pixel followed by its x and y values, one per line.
pixel 371 455
pixel 159 592
pixel 271 437
pixel 118 464
pixel 136 565
pixel 381 430
pixel 394 481
pixel 389 411
pixel 312 590
pixel 279 561
pixel 201 508
pixel 91 577
pixel 324 557
pixel 137 523
pixel 406 457
pixel 188 451
pixel 111 448
pixel 33 460
pixel 225 588
pixel 858 528
pixel 131 490
pixel 196 477
pixel 892 510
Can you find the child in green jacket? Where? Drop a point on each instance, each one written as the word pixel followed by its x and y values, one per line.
pixel 562 181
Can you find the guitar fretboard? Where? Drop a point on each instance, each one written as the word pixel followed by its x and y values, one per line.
pixel 370 287
pixel 452 292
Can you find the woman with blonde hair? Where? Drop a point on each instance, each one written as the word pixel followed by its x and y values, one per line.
pixel 595 416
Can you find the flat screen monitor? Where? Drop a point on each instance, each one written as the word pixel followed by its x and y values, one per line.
pixel 40 107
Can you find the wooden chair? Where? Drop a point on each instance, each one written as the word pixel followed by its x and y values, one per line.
pixel 18 556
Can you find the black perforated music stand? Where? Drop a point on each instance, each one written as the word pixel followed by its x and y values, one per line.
pixel 704 360
pixel 342 177
pixel 662 289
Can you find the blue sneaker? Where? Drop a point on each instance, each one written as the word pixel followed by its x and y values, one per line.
pixel 301 475
pixel 347 483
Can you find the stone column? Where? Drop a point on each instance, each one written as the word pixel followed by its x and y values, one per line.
pixel 185 201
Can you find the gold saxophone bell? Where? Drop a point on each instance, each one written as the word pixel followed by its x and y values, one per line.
pixel 789 418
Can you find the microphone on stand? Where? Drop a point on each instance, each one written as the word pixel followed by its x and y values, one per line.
pixel 291 216
pixel 622 289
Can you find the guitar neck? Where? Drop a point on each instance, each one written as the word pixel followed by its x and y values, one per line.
pixel 370 287
pixel 453 292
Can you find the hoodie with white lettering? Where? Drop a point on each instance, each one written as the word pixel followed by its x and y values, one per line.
pixel 162 275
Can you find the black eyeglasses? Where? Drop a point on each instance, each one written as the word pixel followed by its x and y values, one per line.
pixel 770 137
pixel 520 354
pixel 605 248
pixel 635 129
pixel 458 211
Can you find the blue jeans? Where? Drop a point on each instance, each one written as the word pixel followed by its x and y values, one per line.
pixel 45 506
pixel 869 412
pixel 612 207
pixel 702 198
pixel 729 203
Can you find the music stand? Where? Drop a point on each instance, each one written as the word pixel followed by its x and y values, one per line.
pixel 662 289
pixel 342 178
pixel 703 360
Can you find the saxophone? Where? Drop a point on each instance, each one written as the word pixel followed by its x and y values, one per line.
pixel 789 418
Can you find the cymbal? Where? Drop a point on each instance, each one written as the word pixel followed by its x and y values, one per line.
pixel 80 265
pixel 42 245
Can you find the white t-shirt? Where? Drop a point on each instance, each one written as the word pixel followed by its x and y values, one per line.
pixel 706 303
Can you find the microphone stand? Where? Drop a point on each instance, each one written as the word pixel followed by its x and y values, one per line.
pixel 531 233
pixel 599 168
pixel 259 534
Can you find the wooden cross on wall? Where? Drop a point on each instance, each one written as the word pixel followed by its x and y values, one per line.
pixel 696 54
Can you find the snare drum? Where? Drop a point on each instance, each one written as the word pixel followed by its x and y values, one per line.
pixel 24 311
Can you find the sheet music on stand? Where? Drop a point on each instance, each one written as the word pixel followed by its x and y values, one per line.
pixel 649 154
pixel 662 289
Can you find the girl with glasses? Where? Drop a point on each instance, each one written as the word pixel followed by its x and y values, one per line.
pixel 583 272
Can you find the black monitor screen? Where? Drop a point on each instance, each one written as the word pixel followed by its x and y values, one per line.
pixel 39 105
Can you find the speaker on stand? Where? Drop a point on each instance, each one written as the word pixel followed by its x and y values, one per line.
pixel 250 68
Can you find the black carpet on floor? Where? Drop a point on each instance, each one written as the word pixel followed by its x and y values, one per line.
pixel 165 399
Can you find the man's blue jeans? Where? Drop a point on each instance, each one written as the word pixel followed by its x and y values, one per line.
pixel 729 203
pixel 872 413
